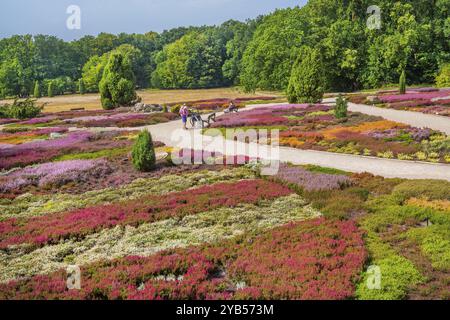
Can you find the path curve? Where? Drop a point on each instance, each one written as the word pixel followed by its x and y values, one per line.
pixel 415 119
pixel 171 134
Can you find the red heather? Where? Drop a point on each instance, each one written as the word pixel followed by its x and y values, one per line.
pixel 79 223
pixel 318 259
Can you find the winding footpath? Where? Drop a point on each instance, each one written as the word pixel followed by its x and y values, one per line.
pixel 171 134
pixel 415 119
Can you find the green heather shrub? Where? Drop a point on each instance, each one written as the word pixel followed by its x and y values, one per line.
pixel 390 212
pixel 319 169
pixel 402 156
pixel 386 155
pixel 438 143
pixel 338 204
pixel 430 189
pixel 434 243
pixel 375 184
pixel 143 153
pixel 340 110
pixel 443 78
pixel 15 129
pixel 402 83
pixel 307 81
pixel 106 153
pixel 397 275
pixel 20 109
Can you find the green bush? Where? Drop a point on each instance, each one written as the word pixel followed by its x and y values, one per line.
pixel 117 86
pixel 25 109
pixel 402 83
pixel 307 81
pixel 143 153
pixel 443 78
pixel 340 110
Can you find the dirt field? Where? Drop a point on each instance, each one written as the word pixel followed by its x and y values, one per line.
pixel 92 101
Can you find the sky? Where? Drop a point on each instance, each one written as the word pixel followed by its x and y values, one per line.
pixel 130 16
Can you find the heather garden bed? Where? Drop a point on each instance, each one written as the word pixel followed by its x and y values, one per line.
pixel 213 230
pixel 100 118
pixel 219 104
pixel 315 127
pixel 425 100
pixel 124 118
pixel 222 233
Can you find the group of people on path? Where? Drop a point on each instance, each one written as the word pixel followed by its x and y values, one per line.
pixel 184 113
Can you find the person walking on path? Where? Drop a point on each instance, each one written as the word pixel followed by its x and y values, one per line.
pixel 184 113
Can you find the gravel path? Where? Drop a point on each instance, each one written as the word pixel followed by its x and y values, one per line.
pixel 170 134
pixel 415 119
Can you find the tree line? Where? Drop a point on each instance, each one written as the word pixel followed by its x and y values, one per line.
pixel 330 36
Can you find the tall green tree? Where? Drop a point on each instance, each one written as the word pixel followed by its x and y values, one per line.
pixel 269 56
pixel 307 81
pixel 11 82
pixel 117 85
pixel 93 69
pixel 17 56
pixel 93 72
pixel 194 61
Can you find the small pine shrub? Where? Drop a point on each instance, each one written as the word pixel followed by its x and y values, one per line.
pixel 37 90
pixel 81 87
pixel 143 153
pixel 340 110
pixel 50 91
pixel 403 82
pixel 117 86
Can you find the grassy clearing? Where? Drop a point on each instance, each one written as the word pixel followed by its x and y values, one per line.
pixel 92 101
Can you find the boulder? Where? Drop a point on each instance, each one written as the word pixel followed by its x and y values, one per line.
pixel 373 99
pixel 147 108
pixel 56 135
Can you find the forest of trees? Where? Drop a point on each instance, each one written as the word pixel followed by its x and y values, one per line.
pixel 257 54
